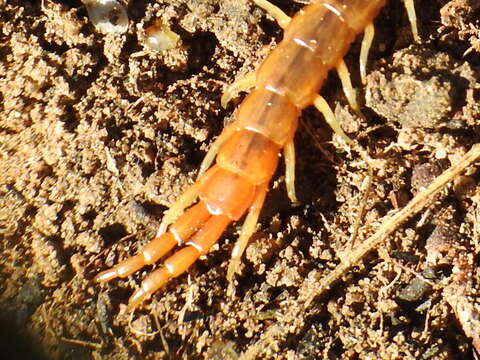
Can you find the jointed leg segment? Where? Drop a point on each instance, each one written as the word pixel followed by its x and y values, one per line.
pixel 366 44
pixel 322 106
pixel 214 148
pixel 174 212
pixel 243 84
pixel 289 156
pixel 183 229
pixel 180 261
pixel 412 17
pixel 247 231
pixel 274 11
pixel 348 90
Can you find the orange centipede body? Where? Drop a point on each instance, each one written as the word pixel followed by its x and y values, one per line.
pixel 247 152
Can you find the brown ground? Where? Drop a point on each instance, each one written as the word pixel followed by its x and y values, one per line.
pixel 98 136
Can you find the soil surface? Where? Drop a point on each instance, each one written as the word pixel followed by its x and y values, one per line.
pixel 99 134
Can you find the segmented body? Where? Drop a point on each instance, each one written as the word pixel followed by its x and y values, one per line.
pixel 247 152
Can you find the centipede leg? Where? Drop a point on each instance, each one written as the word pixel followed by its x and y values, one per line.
pixel 184 227
pixel 177 209
pixel 348 90
pixel 248 229
pixel 179 262
pixel 412 17
pixel 366 44
pixel 289 155
pixel 214 148
pixel 322 106
pixel 244 84
pixel 274 11
pixel 370 32
pixel 160 246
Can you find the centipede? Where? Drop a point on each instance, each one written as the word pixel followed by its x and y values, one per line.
pixel 246 153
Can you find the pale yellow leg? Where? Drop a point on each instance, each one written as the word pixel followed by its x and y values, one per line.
pixel 244 84
pixel 366 44
pixel 322 106
pixel 177 209
pixel 412 17
pixel 289 155
pixel 248 229
pixel 344 76
pixel 212 152
pixel 280 17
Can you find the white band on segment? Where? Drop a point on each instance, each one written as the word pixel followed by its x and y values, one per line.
pixel 169 268
pixel 196 246
pixel 334 10
pixel 236 251
pixel 147 258
pixel 176 236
